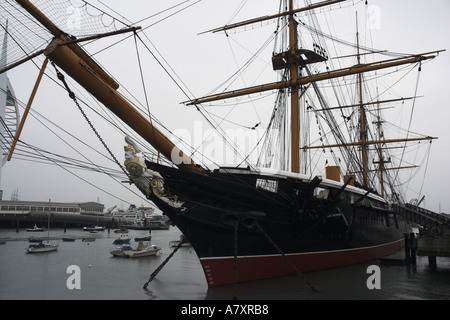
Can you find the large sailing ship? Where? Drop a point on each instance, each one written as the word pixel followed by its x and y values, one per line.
pixel 274 217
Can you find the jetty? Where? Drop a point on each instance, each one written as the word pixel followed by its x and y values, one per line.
pixel 433 239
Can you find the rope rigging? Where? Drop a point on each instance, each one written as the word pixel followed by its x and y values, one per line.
pixel 216 121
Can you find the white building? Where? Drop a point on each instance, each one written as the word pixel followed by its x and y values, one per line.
pixel 25 207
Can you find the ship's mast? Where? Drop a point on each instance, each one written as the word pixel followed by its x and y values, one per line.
pixel 294 59
pixel 381 162
pixel 362 116
pixel 295 108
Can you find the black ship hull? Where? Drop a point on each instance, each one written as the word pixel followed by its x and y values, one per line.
pixel 246 225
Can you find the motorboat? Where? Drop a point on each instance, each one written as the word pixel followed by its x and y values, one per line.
pixel 146 238
pixel 35 229
pixel 41 247
pixel 120 251
pixel 124 239
pixel 142 250
pixel 94 228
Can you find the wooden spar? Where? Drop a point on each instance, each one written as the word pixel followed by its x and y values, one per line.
pixel 275 16
pixel 295 107
pixel 355 144
pixel 368 103
pixel 81 72
pixel 27 109
pixel 18 63
pixel 313 78
pixel 78 65
pixel 387 169
pixel 362 117
pixel 381 162
pixel 38 53
pixel 99 36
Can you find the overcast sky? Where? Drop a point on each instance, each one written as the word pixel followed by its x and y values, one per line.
pixel 203 62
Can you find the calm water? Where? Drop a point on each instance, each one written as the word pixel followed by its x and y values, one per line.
pixel 43 276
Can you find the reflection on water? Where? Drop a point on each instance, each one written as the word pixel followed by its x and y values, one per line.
pixel 349 283
pixel 44 276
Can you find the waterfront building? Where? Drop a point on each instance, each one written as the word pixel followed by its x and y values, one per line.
pixel 26 207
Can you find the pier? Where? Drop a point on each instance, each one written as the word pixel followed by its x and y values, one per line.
pixel 426 245
pixel 433 239
pixel 25 214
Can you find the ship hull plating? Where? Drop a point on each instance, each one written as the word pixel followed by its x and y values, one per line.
pixel 245 225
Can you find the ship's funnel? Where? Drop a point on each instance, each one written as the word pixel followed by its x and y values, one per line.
pixel 333 173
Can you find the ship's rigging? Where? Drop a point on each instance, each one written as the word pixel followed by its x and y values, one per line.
pixel 314 107
pixel 353 149
pixel 92 26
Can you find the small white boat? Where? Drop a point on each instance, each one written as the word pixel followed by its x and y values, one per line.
pixel 42 247
pixel 120 251
pixel 142 250
pixel 35 229
pixel 93 228
pixel 146 238
pixel 123 239
pixel 121 230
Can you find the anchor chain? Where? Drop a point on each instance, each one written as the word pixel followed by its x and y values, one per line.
pixel 155 273
pixel 284 256
pixel 74 98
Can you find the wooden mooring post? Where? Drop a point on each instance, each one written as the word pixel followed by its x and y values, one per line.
pixel 410 249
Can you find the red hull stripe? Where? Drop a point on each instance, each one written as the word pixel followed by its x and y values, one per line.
pixel 220 271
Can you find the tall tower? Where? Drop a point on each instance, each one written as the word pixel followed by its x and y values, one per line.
pixel 9 113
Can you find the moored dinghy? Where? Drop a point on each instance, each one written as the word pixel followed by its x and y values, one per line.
pixel 142 250
pixel 42 247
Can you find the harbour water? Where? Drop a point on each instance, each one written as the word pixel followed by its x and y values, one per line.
pixel 103 277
